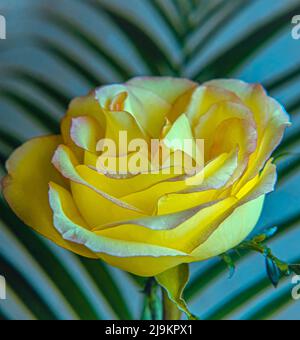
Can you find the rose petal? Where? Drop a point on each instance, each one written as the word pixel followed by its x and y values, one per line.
pixel 85 132
pixel 271 120
pixel 148 109
pixel 72 228
pixel 244 216
pixel 26 188
pixel 187 236
pixel 232 231
pixel 81 106
pixel 203 98
pixel 66 163
pixel 167 88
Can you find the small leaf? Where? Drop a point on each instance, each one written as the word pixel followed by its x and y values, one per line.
pixel 230 264
pixel 271 232
pixel 283 267
pixel 174 281
pixel 273 271
pixel 259 238
pixel 268 233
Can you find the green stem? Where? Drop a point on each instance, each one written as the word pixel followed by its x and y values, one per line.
pixel 170 310
pixel 152 305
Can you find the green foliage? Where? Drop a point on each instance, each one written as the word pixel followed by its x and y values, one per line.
pixel 275 268
pixel 152 309
pixel 230 263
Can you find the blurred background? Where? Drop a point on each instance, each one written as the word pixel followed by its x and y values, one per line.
pixel 56 50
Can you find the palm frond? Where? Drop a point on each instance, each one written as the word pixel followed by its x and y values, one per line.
pixel 235 55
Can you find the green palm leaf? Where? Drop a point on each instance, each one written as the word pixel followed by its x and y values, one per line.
pixel 234 56
pixel 273 306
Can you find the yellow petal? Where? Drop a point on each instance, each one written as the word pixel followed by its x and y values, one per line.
pixel 216 174
pixel 271 120
pixel 168 196
pixel 185 237
pixel 232 231
pixel 147 199
pixel 262 184
pixel 119 122
pixel 203 98
pixel 226 126
pixel 160 222
pixel 122 186
pixel 195 231
pixel 148 109
pixel 172 203
pixel 96 209
pixel 85 132
pixel 244 218
pixel 26 188
pixel 65 161
pixel 202 188
pixel 178 134
pixel 146 266
pixel 81 106
pixel 87 106
pixel 167 88
pixel 115 251
pixel 90 159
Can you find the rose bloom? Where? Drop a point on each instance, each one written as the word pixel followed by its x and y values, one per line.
pixel 148 223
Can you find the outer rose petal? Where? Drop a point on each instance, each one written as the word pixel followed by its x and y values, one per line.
pixel 243 220
pixel 98 210
pixel 26 188
pixel 146 266
pixel 232 231
pixel 167 88
pixel 85 132
pixel 87 106
pixel 81 106
pixel 271 120
pixel 65 162
pixel 143 259
pixel 186 237
pixel 196 231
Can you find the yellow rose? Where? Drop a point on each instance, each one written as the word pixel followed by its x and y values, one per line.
pixel 149 223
